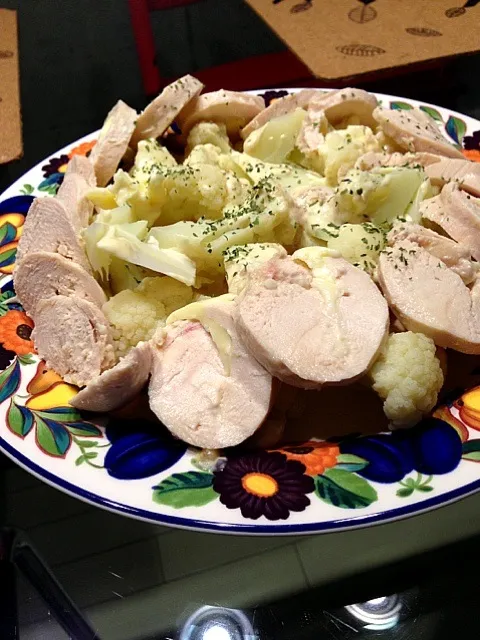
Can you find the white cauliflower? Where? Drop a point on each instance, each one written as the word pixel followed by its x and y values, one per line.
pixel 150 153
pixel 135 314
pixel 408 377
pixel 360 244
pixel 340 150
pixel 209 133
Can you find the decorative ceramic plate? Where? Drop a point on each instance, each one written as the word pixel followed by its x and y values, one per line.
pixel 316 483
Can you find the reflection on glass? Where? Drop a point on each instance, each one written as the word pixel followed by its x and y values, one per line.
pixel 377 614
pixel 217 623
pixel 217 632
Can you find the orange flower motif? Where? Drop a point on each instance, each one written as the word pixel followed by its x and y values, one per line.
pixel 316 456
pixel 15 331
pixel 82 149
pixel 472 154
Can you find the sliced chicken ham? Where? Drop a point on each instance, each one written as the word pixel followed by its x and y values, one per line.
pixel 279 107
pixel 205 386
pixel 315 126
pixel 41 275
pixel 73 337
pixel 232 108
pixel 164 109
pixel 373 159
pixel 464 172
pixel 457 213
pixel 430 298
pixel 115 387
pixel 78 181
pixel 454 255
pixel 414 130
pixel 338 106
pixel 113 141
pixel 48 227
pixel 312 319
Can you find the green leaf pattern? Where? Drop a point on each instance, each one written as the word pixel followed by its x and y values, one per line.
pixel 190 489
pixel 344 489
pixel 409 485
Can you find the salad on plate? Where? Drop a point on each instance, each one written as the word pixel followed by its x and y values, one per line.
pixel 225 253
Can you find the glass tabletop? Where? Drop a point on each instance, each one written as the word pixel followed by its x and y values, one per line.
pixel 131 580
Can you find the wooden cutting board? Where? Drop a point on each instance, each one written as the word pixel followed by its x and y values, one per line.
pixel 344 38
pixel 10 118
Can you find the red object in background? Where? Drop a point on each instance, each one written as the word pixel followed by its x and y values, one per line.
pixel 269 70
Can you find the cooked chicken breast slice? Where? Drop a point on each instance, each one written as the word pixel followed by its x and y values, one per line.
pixel 346 103
pixel 430 298
pixel 454 255
pixel 115 387
pixel 464 172
pixel 41 275
pixel 48 228
pixel 113 141
pixel 312 134
pixel 312 319
pixel 279 107
pixel 414 130
pixel 79 179
pixel 209 393
pixel 373 159
pixel 73 337
pixel 164 109
pixel 457 213
pixel 232 108
pixel 241 261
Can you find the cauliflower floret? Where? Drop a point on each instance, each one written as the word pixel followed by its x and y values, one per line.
pixel 135 314
pixel 172 293
pixel 150 154
pixel 408 377
pixel 340 150
pixel 360 244
pixel 192 191
pixel 209 133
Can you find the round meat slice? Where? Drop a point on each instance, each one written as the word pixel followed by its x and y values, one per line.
pixel 464 172
pixel 205 386
pixel 414 130
pixel 280 107
pixel 430 298
pixel 232 108
pixel 457 213
pixel 164 109
pixel 115 387
pixel 48 228
pixel 41 275
pixel 73 337
pixel 312 319
pixel 346 103
pixel 113 141
pixel 454 255
pixel 78 181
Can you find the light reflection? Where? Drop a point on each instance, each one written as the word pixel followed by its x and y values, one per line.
pixel 377 614
pixel 217 623
pixel 217 632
